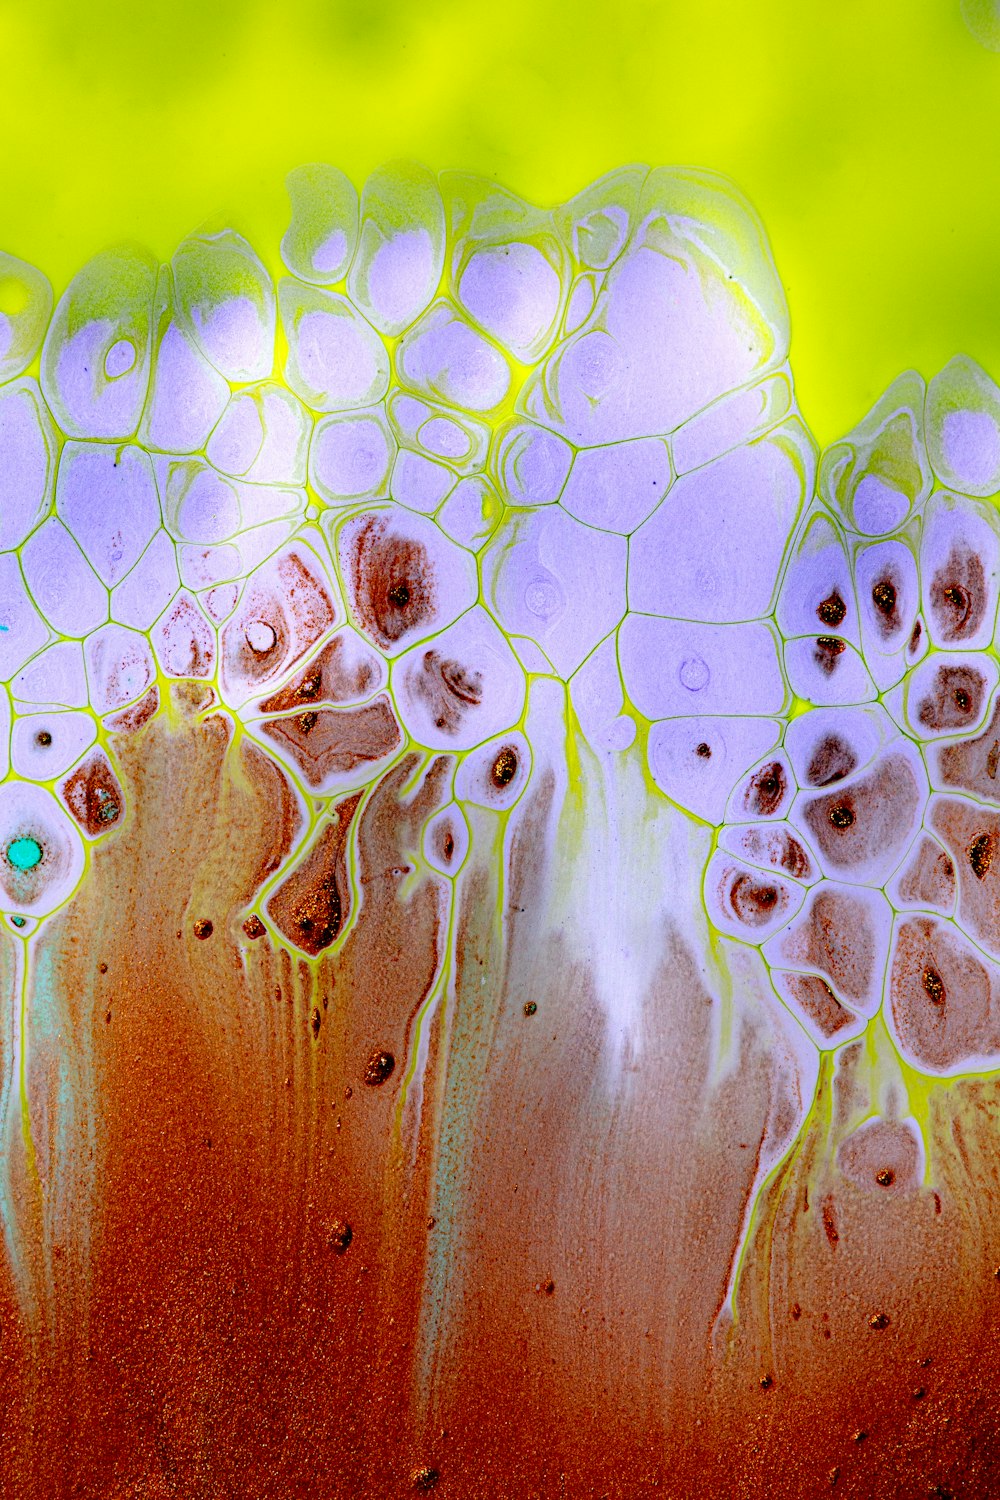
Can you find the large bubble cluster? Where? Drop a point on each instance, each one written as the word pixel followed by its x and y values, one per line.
pixel 464 446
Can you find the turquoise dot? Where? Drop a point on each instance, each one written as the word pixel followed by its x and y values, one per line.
pixel 24 854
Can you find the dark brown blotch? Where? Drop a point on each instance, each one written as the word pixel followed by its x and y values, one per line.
pixel 832 760
pixel 832 610
pixel 829 649
pixel 379 1068
pixel 504 767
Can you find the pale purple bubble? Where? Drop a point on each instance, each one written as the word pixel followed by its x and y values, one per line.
pixel 107 497
pixel 62 583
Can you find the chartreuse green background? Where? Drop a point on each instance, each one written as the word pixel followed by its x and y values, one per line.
pixel 867 135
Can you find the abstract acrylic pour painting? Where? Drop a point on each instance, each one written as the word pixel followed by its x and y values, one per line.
pixel 499 864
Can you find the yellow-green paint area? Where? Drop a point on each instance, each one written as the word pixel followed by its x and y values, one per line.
pixel 864 135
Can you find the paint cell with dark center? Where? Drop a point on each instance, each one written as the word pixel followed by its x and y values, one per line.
pixel 958 596
pixel 832 760
pixel 767 788
pixel 43 738
pixel 704 750
pixel 379 1068
pixel 955 698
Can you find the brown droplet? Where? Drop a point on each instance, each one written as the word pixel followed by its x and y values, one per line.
pixel 884 597
pixel 878 1321
pixel 399 595
pixel 860 1435
pixel 102 968
pixel 993 760
pixel 933 986
pixel 832 610
pixel 915 636
pixel 307 721
pixel 254 927
pixel 704 750
pixel 340 1236
pixel 980 853
pixel 203 928
pixel 424 1480
pixel 828 649
pixel 43 738
pixel 504 768
pixel 796 1311
pixel 919 1393
pixel 766 1382
pixel 841 816
pixel 530 1007
pixel 885 1177
pixel 547 1287
pixel 315 1021
pixel 378 1068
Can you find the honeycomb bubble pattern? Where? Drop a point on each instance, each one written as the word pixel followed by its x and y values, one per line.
pixel 465 446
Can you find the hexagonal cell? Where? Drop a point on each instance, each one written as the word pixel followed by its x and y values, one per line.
pixel 351 456
pixel 403 579
pixel 27 461
pixel 460 440
pixel 772 846
pixel 22 629
pixel 25 309
pixel 420 483
pixel 183 640
pixel 672 668
pixel 93 796
pixel 596 224
pixel 262 436
pixel 817 591
pixel 674 327
pixel 334 748
pixel 460 689
pixel 531 464
pixel 61 581
pixel 959 571
pixel 597 697
pixel 949 694
pixel 509 268
pixel 187 395
pixel 842 933
pixel 45 745
pixel 731 421
pixel 888 594
pixel 557 582
pixel 149 588
pixel 319 243
pixel 471 513
pixel 697 761
pixel 41 853
pixel 879 474
pixel 446 840
pixel 962 418
pixel 336 361
pixel 713 550
pixel 120 667
pixel 96 355
pixel 444 358
pixel 225 301
pixel 107 498
pixel 863 827
pixel 944 1010
pixel 826 745
pixel 401 246
pixel 616 487
pixel 825 669
pixel 287 605
pixel 56 677
pixel 747 903
pixel 496 774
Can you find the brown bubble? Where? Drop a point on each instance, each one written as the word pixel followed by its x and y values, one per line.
pixel 530 1007
pixel 884 600
pixel 933 985
pixel 980 854
pixel 842 816
pixel 424 1480
pixel 340 1236
pixel 832 610
pixel 315 1021
pixel 43 738
pixel 378 1068
pixel 504 768
pixel 879 1321
pixel 885 1177
pixel 203 928
pixel 704 750
pixel 254 927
